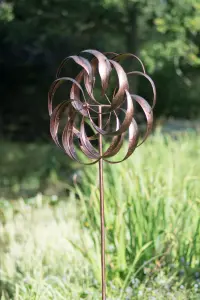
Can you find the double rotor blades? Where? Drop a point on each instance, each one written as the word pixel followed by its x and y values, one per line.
pixel 82 104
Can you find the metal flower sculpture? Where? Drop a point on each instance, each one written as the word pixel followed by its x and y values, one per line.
pixel 107 118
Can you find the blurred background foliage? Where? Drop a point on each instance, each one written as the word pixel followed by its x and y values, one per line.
pixel 36 35
pixel 49 243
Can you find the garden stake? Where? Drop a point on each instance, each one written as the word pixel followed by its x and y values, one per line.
pixel 83 107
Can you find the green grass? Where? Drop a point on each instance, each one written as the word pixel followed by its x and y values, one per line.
pixel 50 245
pixel 26 169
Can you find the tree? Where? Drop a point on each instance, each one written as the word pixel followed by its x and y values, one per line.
pixel 166 31
pixel 35 35
pixel 6 12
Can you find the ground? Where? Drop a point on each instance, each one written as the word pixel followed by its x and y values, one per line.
pixel 50 241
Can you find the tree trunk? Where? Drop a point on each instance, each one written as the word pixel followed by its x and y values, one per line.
pixel 132 43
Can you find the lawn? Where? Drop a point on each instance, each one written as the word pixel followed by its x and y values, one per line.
pixel 49 228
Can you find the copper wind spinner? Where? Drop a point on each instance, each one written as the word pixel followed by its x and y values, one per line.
pixel 104 118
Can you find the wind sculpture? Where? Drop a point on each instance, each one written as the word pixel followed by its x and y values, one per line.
pixel 104 116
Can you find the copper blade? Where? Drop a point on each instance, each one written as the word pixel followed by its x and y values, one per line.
pixel 104 67
pixel 148 113
pixel 123 85
pixel 151 82
pixel 120 57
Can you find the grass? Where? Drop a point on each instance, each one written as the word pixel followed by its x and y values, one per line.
pixel 28 168
pixel 50 244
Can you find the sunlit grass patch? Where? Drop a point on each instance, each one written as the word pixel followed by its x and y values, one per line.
pixel 50 244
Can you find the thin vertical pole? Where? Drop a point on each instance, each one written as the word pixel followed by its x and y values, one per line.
pixel 101 189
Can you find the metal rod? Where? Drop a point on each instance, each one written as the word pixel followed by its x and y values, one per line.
pixel 102 105
pixel 101 189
